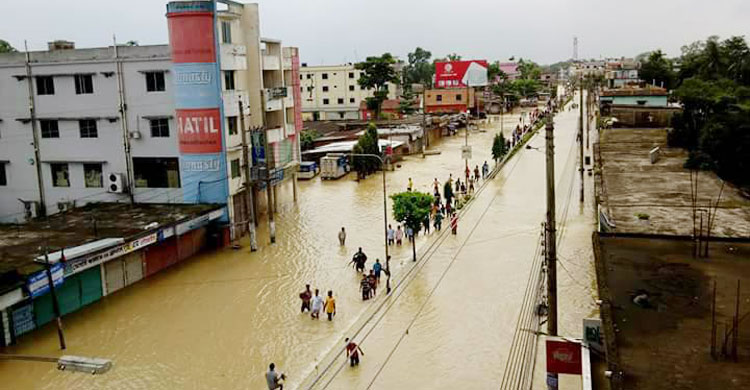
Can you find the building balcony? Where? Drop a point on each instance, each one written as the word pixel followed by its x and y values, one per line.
pixel 290 130
pixel 287 63
pixel 233 57
pixel 275 97
pixel 271 62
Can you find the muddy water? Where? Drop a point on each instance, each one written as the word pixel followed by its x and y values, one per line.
pixel 217 320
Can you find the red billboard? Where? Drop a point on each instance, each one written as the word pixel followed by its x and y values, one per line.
pixel 199 130
pixel 461 74
pixel 563 356
pixel 191 37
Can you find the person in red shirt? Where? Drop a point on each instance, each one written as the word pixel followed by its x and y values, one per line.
pixel 352 352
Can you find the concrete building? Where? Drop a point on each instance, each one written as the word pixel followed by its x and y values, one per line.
pixel 621 72
pixel 87 148
pixel 444 101
pixel 331 92
pixel 151 124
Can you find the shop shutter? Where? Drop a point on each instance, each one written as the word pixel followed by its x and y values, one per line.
pixel 114 275
pixel 43 311
pixel 69 295
pixel 91 285
pixel 5 336
pixel 23 318
pixel 133 267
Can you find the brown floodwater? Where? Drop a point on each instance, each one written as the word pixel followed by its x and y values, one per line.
pixel 217 320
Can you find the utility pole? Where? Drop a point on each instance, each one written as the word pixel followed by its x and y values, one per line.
pixel 466 133
pixel 42 209
pixel 580 133
pixel 55 304
pixel 122 109
pixel 268 153
pixel 550 244
pixel 589 103
pixel 425 137
pixel 247 202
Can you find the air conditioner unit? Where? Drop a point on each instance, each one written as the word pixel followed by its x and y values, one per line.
pixel 135 134
pixel 115 183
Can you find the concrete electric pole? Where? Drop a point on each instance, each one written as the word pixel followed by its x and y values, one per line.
pixel 550 244
pixel 248 203
pixel 580 133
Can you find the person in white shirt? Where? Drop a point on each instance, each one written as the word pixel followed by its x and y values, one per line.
pixel 274 379
pixel 342 236
pixel 317 305
pixel 391 235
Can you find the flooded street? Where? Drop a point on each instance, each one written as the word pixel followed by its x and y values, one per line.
pixel 217 320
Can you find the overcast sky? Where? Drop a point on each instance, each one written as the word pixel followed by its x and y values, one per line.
pixel 336 31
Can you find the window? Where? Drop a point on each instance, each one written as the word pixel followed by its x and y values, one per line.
pixel 45 85
pixel 88 128
pixel 229 80
pixel 458 97
pixel 234 166
pixel 308 76
pixel 340 101
pixel 226 32
pixel 232 125
pixel 351 100
pixel 84 84
pixel 300 77
pixel 154 81
pixel 156 172
pixel 325 88
pixel 49 129
pixel 3 177
pixel 351 75
pixel 325 101
pixel 439 98
pixel 351 88
pixel 60 175
pixel 324 76
pixel 92 174
pixel 309 89
pixel 159 127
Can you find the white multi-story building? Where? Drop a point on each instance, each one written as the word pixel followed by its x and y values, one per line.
pixel 332 92
pixel 71 146
pixel 103 125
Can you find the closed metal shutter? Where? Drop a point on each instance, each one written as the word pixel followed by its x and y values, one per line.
pixel 114 274
pixel 23 318
pixel 91 285
pixel 133 267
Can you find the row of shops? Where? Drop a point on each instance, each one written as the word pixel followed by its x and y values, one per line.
pixel 86 273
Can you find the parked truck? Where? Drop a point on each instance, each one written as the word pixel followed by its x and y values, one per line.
pixel 333 166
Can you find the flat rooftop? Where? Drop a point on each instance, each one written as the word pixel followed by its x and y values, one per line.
pixel 20 244
pixel 124 52
pixel 633 186
pixel 665 342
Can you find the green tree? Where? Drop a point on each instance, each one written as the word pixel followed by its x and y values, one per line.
pixel 419 69
pixel 5 47
pixel 498 147
pixel 377 72
pixel 529 70
pixel 406 103
pixel 657 68
pixel 453 57
pixel 307 138
pixel 366 144
pixel 411 208
pixel 525 87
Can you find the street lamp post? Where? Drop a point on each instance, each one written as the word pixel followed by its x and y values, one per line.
pixel 385 219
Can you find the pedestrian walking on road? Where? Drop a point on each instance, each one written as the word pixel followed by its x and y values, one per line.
pixel 458 186
pixel 373 283
pixel 485 170
pixel 274 380
pixel 410 234
pixel 330 305
pixel 305 296
pixel 317 305
pixel 342 236
pixel 471 186
pixel 476 173
pixel 438 221
pixel 468 172
pixel 454 223
pixel 391 235
pixel 411 185
pixel 426 224
pixel 377 268
pixel 364 287
pixel 359 259
pixel 463 188
pixel 352 352
pixel 399 235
